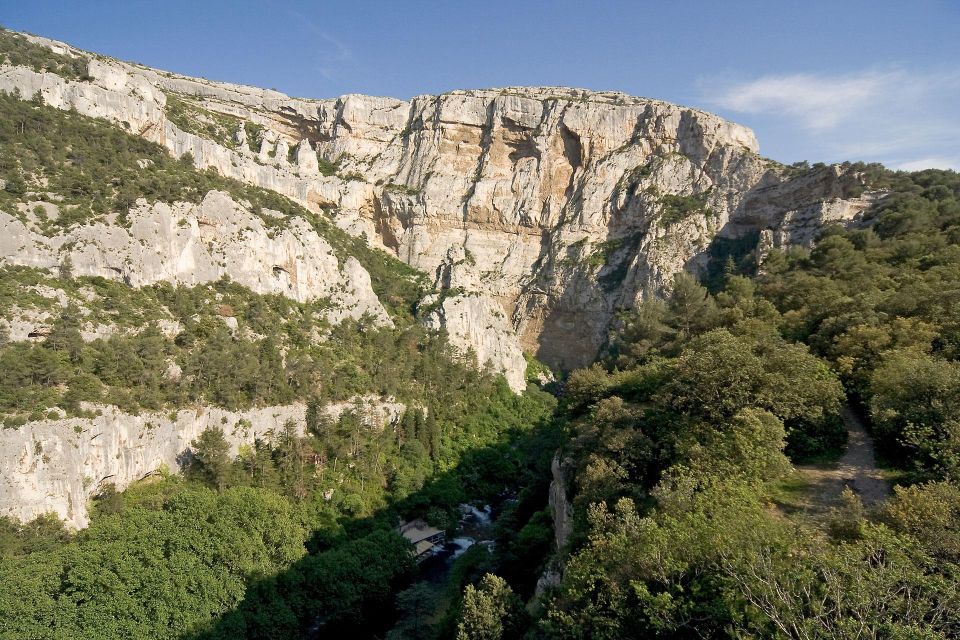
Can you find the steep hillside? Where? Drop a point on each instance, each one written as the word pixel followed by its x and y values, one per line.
pixel 682 515
pixel 540 212
pixel 144 301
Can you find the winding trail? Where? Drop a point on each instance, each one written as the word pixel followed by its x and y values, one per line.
pixel 856 468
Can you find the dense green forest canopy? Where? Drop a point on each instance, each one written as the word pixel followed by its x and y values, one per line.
pixel 677 441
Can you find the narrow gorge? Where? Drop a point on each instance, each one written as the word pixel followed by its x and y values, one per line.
pixel 536 215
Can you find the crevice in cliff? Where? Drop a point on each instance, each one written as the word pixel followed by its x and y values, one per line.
pixel 573 152
pixel 309 129
pixel 524 148
pixel 572 147
pixel 486 140
pixel 383 229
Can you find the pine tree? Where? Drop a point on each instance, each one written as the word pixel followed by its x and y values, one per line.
pixel 211 457
pixel 65 335
pixel 692 309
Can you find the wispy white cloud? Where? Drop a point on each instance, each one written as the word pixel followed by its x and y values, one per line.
pixel 905 119
pixel 334 56
pixel 930 163
pixel 817 102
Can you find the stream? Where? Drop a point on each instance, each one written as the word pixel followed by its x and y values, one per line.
pixel 474 527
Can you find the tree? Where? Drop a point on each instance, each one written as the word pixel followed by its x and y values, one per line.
pixel 691 308
pixel 749 446
pixel 719 373
pixel 587 385
pixel 413 467
pixel 416 606
pixel 151 572
pixel 860 349
pixel 211 457
pixel 150 347
pixel 490 611
pixel 318 421
pixel 293 454
pixel 931 514
pixel 65 335
pixel 65 270
pixel 916 408
pixel 655 576
pixel 644 332
pixel 878 585
pixel 257 462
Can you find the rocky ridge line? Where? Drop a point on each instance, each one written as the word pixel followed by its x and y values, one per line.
pixel 557 207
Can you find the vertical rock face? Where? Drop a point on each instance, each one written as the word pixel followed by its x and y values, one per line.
pixel 479 324
pixel 57 465
pixel 191 244
pixel 538 212
pixel 559 502
pixel 555 206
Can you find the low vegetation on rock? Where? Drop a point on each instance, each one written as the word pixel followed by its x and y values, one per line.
pixel 17 50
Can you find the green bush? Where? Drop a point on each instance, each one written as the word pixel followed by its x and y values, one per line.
pixel 677 208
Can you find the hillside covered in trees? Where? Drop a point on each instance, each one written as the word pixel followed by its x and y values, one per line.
pixel 690 522
pixel 319 501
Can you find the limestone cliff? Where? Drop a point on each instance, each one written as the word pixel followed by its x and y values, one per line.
pixel 537 212
pixel 192 244
pixel 555 206
pixel 56 465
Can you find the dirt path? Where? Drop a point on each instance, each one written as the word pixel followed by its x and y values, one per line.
pixel 857 469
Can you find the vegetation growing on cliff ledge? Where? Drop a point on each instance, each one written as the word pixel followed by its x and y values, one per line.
pixel 192 118
pixel 90 170
pixel 677 208
pixel 17 50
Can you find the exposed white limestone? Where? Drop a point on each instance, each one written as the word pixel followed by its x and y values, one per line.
pixel 535 185
pixel 190 244
pixel 477 324
pixel 57 465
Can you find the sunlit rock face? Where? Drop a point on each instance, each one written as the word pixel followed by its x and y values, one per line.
pixel 538 213
pixel 557 207
pixel 57 465
pixel 192 244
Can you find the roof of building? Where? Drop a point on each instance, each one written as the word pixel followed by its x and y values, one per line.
pixel 417 531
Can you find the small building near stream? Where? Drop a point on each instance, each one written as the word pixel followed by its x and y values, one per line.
pixel 425 539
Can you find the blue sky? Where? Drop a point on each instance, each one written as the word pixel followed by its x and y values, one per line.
pixel 817 80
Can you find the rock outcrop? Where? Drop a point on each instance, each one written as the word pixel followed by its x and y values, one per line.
pixel 56 465
pixel 477 325
pixel 559 503
pixel 191 244
pixel 562 511
pixel 556 206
